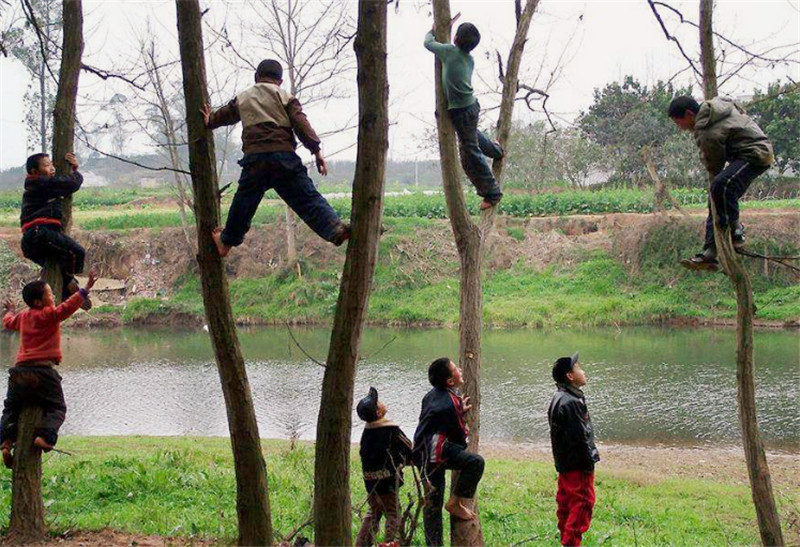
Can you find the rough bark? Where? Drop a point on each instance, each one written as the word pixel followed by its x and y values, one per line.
pixel 27 524
pixel 769 523
pixel 252 499
pixel 471 238
pixel 27 506
pixel 332 513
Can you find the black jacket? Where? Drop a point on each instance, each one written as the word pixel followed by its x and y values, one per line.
pixel 441 419
pixel 43 195
pixel 571 431
pixel 384 451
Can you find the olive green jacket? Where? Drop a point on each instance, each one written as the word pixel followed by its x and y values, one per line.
pixel 724 133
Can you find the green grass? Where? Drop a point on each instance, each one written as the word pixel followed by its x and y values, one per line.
pixel 186 486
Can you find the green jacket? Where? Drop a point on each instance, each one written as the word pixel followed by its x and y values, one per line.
pixel 724 133
pixel 456 72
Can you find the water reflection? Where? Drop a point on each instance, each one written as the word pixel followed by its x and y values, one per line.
pixel 646 385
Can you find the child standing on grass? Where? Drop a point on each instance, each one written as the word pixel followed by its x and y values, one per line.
pixel 34 379
pixel 43 236
pixel 574 451
pixel 440 443
pixel 384 451
pixel 735 151
pixel 271 117
pixel 463 109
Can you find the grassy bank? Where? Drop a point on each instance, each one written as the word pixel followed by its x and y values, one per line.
pixel 415 283
pixel 185 487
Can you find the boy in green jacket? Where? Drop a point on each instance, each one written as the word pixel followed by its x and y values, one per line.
pixel 735 151
pixel 463 108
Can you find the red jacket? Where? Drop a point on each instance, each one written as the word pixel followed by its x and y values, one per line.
pixel 40 329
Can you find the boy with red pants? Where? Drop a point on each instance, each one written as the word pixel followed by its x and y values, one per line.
pixel 574 452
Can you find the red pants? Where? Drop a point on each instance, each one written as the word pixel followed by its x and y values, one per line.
pixel 575 500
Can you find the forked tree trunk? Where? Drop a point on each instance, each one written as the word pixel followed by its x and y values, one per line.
pixel 332 514
pixel 471 238
pixel 252 499
pixel 27 507
pixel 769 523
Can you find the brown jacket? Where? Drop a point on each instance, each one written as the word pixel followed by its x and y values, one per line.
pixel 270 118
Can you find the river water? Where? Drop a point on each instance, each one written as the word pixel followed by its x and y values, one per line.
pixel 646 385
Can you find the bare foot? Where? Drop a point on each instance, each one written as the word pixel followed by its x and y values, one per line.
pixel 486 205
pixel 222 249
pixel 457 509
pixel 8 458
pixel 39 442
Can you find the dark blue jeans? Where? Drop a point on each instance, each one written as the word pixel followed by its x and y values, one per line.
pixel 726 189
pixel 473 145
pixel 284 172
pixel 33 385
pixel 44 242
pixel 457 458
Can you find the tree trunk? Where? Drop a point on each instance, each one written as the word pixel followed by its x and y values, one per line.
pixel 471 238
pixel 252 499
pixel 27 507
pixel 332 514
pixel 769 523
pixel 27 524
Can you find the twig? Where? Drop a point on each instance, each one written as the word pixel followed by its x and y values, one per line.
pixel 777 259
pixel 672 38
pixel 524 541
pixel 288 539
pixel 124 160
pixel 105 75
pixel 383 347
pixel 296 343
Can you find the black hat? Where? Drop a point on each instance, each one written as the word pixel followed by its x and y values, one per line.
pixel 562 366
pixel 367 408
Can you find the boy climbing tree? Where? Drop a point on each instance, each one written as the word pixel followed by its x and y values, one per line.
pixel 271 118
pixel 463 109
pixel 735 151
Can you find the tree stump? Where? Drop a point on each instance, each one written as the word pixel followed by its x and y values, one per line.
pixel 27 524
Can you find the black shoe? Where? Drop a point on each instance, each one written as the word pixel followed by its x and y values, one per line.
pixel 705 261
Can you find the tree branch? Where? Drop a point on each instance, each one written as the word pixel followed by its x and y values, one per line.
pixel 672 38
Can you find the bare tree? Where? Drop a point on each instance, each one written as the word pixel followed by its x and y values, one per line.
pixel 168 132
pixel 27 507
pixel 332 514
pixel 252 497
pixel 769 523
pixel 471 238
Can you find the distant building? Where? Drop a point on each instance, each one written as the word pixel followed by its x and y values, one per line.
pixel 93 179
pixel 150 182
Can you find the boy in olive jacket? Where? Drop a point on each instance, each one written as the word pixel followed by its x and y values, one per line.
pixel 735 151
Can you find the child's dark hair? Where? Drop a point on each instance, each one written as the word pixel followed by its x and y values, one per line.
pixel 33 161
pixel 679 106
pixel 467 37
pixel 33 291
pixel 439 372
pixel 269 68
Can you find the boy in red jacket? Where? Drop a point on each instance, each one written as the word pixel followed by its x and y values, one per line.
pixel 34 378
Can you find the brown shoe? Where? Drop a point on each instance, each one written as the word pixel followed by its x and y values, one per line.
pixel 8 458
pixel 342 234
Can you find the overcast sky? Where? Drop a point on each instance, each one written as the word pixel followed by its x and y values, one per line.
pixel 592 43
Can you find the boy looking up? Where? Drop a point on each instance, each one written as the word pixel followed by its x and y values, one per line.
pixel 34 378
pixel 384 450
pixel 463 109
pixel 574 452
pixel 41 219
pixel 735 151
pixel 440 443
pixel 271 117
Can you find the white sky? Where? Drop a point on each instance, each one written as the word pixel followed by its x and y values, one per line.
pixel 612 39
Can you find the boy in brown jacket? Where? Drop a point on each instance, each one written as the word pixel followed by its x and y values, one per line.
pixel 271 117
